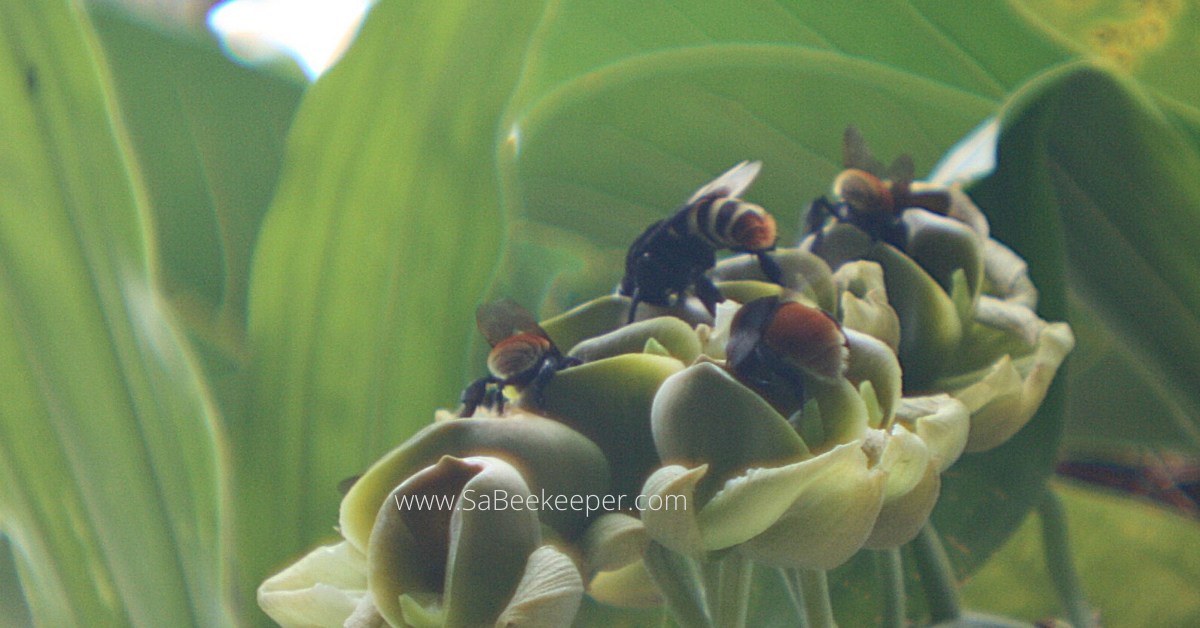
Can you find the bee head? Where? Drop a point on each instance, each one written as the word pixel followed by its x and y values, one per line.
pixel 518 357
pixel 863 192
pixel 753 230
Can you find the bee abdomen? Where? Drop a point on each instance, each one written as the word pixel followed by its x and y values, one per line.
pixel 864 192
pixel 517 356
pixel 733 224
pixel 810 338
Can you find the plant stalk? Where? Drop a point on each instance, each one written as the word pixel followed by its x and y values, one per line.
pixel 734 596
pixel 789 579
pixel 937 576
pixel 1056 545
pixel 890 569
pixel 679 583
pixel 815 586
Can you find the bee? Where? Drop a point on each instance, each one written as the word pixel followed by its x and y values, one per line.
pixel 872 204
pixel 675 253
pixel 773 340
pixel 522 355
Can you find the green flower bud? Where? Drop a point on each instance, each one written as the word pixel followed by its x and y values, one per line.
pixel 550 455
pixel 470 565
pixel 864 303
pixel 802 272
pixel 965 308
pixel 609 401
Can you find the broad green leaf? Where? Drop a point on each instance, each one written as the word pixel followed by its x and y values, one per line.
pixel 208 135
pixel 382 235
pixel 1139 565
pixel 1154 41
pixel 611 152
pixel 14 612
pixel 1124 180
pixel 109 455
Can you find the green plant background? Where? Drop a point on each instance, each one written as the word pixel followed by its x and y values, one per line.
pixel 222 292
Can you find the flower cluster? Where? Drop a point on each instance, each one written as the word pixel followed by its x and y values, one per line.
pixel 808 419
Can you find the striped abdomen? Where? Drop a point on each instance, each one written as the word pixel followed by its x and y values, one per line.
pixel 730 223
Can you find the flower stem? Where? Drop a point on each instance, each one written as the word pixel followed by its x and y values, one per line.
pixel 890 568
pixel 937 576
pixel 734 595
pixel 1056 545
pixel 815 585
pixel 679 583
pixel 792 587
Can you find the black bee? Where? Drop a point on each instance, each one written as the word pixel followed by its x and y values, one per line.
pixel 522 355
pixel 675 253
pixel 872 204
pixel 774 340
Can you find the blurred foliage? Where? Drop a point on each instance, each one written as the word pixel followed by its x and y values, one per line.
pixel 325 267
pixel 1137 562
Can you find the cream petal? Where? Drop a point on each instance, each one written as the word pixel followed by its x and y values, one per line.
pixel 905 459
pixel 902 518
pixel 872 360
pixel 320 590
pixel 675 528
pixel 630 586
pixel 1007 398
pixel 614 540
pixel 826 525
pixel 941 421
pixel 864 304
pixel 548 595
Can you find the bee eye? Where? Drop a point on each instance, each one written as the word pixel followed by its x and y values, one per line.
pixel 863 191
pixel 515 356
pixel 810 338
pixel 754 231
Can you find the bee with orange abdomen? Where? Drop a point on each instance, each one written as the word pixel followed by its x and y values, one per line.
pixel 675 254
pixel 861 198
pixel 774 340
pixel 522 356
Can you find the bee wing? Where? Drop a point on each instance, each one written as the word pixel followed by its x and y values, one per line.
pixel 855 153
pixel 735 181
pixel 902 169
pixel 901 174
pixel 504 319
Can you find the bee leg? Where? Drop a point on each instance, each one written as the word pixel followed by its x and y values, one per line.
pixel 473 395
pixel 495 398
pixel 537 387
pixel 633 304
pixel 795 383
pixel 708 294
pixel 895 234
pixel 770 267
pixel 819 211
pixel 567 362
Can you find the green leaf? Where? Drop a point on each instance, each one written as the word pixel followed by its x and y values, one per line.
pixel 209 137
pixel 1124 179
pixel 1139 565
pixel 1155 42
pixel 14 612
pixel 381 238
pixel 109 457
